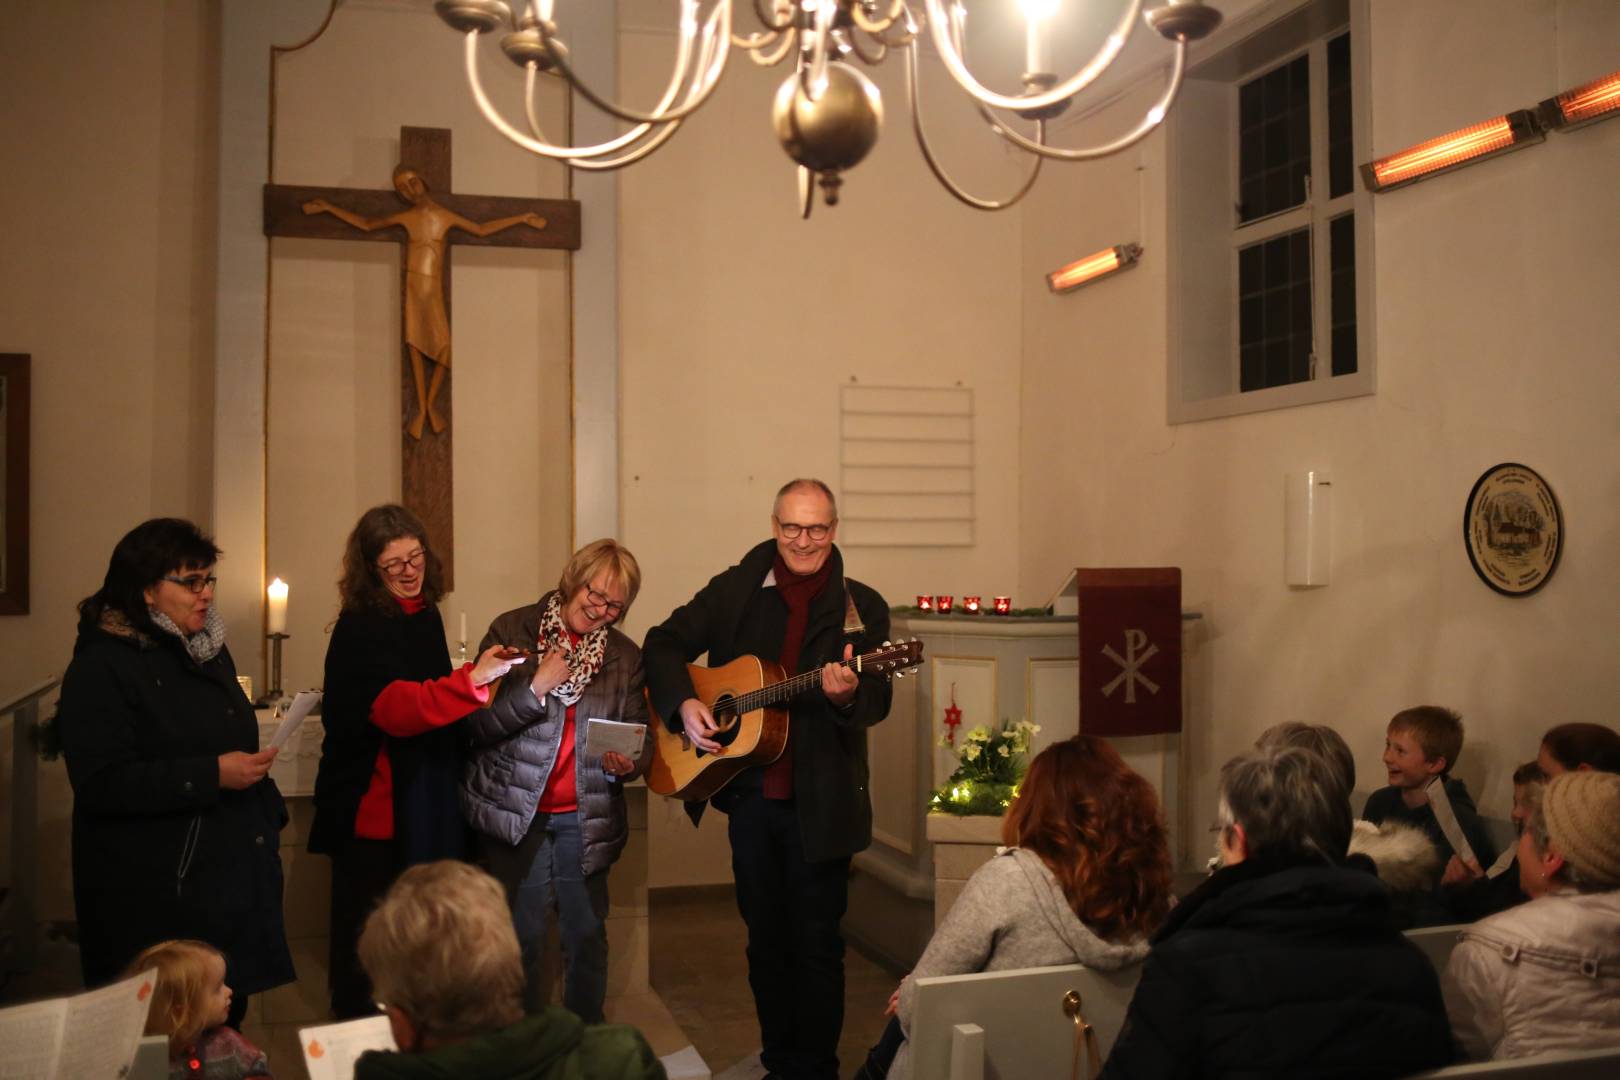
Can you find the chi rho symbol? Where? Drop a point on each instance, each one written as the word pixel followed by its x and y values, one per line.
pixel 1131 665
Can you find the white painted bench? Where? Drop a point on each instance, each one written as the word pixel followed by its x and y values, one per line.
pixel 1573 1065
pixel 1012 1025
pixel 1437 943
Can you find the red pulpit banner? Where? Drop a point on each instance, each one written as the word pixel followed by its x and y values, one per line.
pixel 1130 650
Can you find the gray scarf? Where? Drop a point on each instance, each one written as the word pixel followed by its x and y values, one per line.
pixel 205 644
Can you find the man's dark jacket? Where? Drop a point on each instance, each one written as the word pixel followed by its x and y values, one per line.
pixel 1279 970
pixel 733 616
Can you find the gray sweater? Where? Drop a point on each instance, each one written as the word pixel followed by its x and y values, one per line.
pixel 1011 914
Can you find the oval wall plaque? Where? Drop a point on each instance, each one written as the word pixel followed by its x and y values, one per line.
pixel 1513 529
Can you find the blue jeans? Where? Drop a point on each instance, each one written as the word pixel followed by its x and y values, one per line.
pixel 542 873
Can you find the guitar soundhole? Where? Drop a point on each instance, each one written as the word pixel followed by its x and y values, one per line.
pixel 725 718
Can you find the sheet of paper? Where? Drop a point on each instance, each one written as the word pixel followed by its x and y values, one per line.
pixel 330 1050
pixel 303 702
pixel 615 735
pixel 1447 817
pixel 31 1034
pixel 104 1027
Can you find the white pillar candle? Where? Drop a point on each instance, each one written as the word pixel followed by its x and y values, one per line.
pixel 1037 48
pixel 277 619
pixel 464 628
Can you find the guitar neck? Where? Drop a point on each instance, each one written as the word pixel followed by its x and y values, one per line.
pixel 777 693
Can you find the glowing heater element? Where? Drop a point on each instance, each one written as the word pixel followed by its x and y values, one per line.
pixel 1597 100
pixel 1451 151
pixel 1085 271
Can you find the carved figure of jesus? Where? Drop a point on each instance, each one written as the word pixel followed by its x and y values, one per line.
pixel 427 322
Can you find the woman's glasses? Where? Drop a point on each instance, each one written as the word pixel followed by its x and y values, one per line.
pixel 396 567
pixel 602 603
pixel 195 582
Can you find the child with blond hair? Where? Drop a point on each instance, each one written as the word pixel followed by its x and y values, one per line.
pixel 189 1005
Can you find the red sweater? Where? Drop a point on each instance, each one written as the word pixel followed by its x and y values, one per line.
pixel 561 795
pixel 404 709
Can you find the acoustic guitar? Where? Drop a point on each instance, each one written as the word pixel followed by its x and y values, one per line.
pixel 748 698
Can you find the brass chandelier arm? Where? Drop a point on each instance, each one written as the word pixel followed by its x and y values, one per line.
pixel 947 34
pixel 858 16
pixel 782 8
pixel 871 55
pixel 912 92
pixel 567 154
pixel 1155 116
pixel 772 31
pixel 761 58
pixel 711 65
pixel 530 78
pixel 593 164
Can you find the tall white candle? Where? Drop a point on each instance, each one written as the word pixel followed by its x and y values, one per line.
pixel 277 619
pixel 464 628
pixel 1037 53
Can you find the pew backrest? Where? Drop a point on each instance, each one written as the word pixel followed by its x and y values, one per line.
pixel 1012 1023
pixel 1437 943
pixel 1569 1065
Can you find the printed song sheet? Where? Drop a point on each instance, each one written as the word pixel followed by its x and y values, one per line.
pixel 86 1037
pixel 330 1050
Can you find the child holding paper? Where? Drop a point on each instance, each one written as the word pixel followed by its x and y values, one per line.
pixel 1420 748
pixel 189 1005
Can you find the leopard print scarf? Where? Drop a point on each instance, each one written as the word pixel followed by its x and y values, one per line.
pixel 584 659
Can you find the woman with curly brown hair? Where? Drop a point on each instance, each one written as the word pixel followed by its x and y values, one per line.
pixel 385 795
pixel 1084 879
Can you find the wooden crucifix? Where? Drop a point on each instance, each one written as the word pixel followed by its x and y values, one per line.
pixel 423 215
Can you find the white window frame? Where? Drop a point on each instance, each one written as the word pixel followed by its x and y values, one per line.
pixel 1272 35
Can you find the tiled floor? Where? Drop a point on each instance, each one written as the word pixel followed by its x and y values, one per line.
pixel 699 970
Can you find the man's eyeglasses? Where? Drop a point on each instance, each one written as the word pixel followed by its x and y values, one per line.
pixel 195 582
pixel 602 603
pixel 792 530
pixel 396 567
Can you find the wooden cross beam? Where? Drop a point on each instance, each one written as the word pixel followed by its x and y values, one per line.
pixel 425 217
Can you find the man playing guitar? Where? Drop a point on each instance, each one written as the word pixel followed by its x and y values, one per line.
pixel 794 823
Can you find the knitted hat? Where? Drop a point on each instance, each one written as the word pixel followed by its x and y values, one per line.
pixel 1582 812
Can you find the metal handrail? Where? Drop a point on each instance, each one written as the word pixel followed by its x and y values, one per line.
pixel 51 683
pixel 18 932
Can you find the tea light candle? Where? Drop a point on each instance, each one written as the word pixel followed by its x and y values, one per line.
pixel 1003 605
pixel 925 603
pixel 277 612
pixel 970 604
pixel 942 604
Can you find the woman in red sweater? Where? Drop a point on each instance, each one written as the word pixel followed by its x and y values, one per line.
pixel 385 796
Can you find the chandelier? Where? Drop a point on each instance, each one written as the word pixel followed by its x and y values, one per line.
pixel 827 112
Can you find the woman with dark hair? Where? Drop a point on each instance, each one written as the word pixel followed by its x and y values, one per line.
pixel 1572 747
pixel 1084 879
pixel 385 795
pixel 175 819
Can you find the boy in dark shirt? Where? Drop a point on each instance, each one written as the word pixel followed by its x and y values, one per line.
pixel 1422 743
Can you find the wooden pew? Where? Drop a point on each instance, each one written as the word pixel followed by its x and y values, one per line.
pixel 1011 1025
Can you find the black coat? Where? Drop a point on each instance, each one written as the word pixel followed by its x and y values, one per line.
pixel 515 743
pixel 367 652
pixel 1283 971
pixel 159 849
pixel 732 616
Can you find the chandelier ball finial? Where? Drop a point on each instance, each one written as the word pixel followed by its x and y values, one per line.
pixel 837 129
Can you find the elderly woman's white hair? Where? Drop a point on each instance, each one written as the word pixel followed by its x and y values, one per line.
pixel 441 949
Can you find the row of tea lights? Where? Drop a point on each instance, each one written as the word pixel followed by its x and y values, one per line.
pixel 971 605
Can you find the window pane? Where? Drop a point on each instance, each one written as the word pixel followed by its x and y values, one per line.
pixel 1274 140
pixel 1342 259
pixel 1274 311
pixel 1341 154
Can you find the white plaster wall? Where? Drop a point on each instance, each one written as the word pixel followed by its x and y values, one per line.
pixel 107 279
pixel 1496 342
pixel 740 322
pixel 334 352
